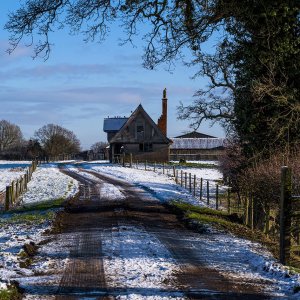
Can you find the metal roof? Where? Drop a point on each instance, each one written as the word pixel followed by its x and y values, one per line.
pixel 195 134
pixel 113 124
pixel 194 143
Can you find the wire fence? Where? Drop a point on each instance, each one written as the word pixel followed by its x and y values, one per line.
pixel 281 222
pixel 205 190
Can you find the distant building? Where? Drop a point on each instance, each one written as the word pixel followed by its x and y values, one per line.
pixel 195 135
pixel 196 146
pixel 139 135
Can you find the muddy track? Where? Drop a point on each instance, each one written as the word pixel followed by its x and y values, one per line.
pixel 94 230
pixel 197 279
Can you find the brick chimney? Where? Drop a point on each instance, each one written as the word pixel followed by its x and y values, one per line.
pixel 162 121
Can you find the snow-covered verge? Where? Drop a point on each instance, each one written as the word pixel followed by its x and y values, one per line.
pixel 237 258
pixel 48 183
pixel 17 229
pixel 253 260
pixel 15 163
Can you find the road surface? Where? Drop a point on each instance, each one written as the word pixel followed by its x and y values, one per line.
pixel 129 246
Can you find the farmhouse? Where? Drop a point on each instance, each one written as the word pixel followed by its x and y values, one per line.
pixel 139 135
pixel 196 146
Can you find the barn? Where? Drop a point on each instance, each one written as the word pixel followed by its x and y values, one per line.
pixel 196 146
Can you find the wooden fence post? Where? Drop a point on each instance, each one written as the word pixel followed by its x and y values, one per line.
pixel 174 171
pixel 123 159
pixel 190 182
pixel 130 160
pixel 154 166
pixel 181 179
pixel 207 192
pixel 251 211
pixel 145 165
pixel 217 197
pixel 176 176
pixel 17 188
pixel 201 188
pixel 13 195
pixel 285 215
pixel 163 168
pixel 7 198
pixel 185 179
pixel 194 191
pixel 246 211
pixel 267 220
pixel 228 201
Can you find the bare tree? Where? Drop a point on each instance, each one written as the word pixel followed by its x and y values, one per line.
pixel 174 25
pixel 10 136
pixel 57 140
pixel 98 146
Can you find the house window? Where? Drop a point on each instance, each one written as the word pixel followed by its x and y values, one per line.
pixel 145 147
pixel 140 131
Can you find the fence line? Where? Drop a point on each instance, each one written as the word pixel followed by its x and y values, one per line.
pixel 201 188
pixel 243 205
pixel 10 196
pixel 206 190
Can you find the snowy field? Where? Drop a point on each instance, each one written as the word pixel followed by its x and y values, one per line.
pixel 208 162
pixel 10 171
pixel 14 163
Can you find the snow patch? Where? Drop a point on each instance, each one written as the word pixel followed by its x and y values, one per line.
pixel 111 192
pixel 134 258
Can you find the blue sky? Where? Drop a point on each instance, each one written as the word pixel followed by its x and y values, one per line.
pixel 82 83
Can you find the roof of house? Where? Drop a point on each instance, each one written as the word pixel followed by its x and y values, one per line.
pixel 194 134
pixel 194 143
pixel 141 110
pixel 113 124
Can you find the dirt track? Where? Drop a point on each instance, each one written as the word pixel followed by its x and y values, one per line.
pixel 87 218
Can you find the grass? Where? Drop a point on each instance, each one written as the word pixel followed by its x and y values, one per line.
pixel 44 205
pixel 197 209
pixel 11 293
pixel 28 218
pixel 36 213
